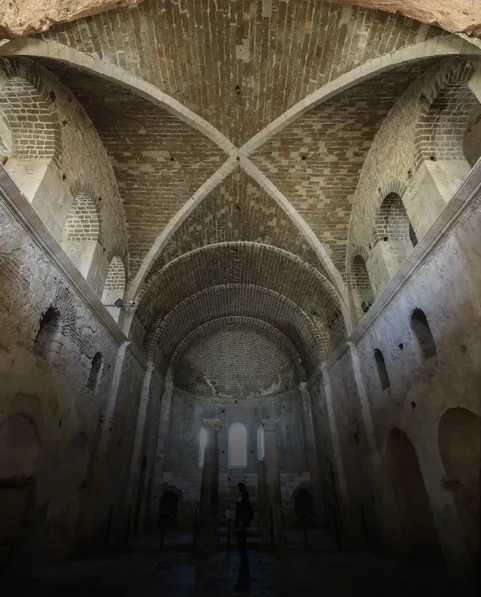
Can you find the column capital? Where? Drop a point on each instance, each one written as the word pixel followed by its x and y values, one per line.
pixel 212 424
pixel 269 424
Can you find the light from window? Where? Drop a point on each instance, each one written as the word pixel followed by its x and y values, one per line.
pixel 237 445
pixel 202 445
pixel 260 443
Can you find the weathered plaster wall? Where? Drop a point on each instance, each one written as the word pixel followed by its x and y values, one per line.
pixel 447 288
pixel 51 391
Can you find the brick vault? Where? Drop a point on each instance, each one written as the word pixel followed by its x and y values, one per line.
pixel 233 191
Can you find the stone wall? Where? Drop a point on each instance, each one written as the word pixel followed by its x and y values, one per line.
pixel 61 390
pixel 385 427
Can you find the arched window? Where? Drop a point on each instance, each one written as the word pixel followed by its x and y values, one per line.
pixel 81 233
pixel 202 445
pixel 381 369
pixel 260 443
pixel 362 292
pixel 114 287
pixel 237 445
pixel 95 372
pixel 422 331
pixel 48 333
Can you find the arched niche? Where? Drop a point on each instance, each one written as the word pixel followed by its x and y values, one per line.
pixel 381 369
pixel 19 453
pixel 81 238
pixel 31 140
pixel 415 516
pixel 48 335
pixel 114 288
pixel 96 370
pixel 393 241
pixel 168 509
pixel 459 437
pixel 446 138
pixel 422 331
pixel 63 521
pixel 19 448
pixel 361 287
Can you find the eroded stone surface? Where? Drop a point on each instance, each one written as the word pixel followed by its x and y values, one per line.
pixel 23 17
pixel 457 16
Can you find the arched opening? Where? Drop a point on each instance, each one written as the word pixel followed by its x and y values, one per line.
pixel 30 134
pixel 80 236
pixel 459 438
pixel 447 140
pixel 95 372
pixel 63 523
pixel 168 509
pixel 261 443
pixel 304 508
pixel 19 452
pixel 381 369
pixel 393 242
pixel 46 341
pixel 202 445
pixel 237 445
pixel 422 331
pixel 362 293
pixel 114 287
pixel 415 516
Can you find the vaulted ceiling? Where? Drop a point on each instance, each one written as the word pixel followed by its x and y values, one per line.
pixel 237 131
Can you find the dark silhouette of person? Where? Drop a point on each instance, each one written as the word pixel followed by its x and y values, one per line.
pixel 243 517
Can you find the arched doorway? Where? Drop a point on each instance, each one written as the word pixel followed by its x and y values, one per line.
pixel 19 451
pixel 169 502
pixel 459 438
pixel 63 524
pixel 415 515
pixel 304 507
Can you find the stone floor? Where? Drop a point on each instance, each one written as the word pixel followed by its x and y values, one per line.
pixel 150 574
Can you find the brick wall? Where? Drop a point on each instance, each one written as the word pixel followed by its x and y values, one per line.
pixel 67 161
pixel 240 65
pixel 425 186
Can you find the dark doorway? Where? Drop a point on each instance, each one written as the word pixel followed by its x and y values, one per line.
pixel 460 448
pixel 415 515
pixel 168 509
pixel 304 505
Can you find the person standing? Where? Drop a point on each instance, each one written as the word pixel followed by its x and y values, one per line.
pixel 243 517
